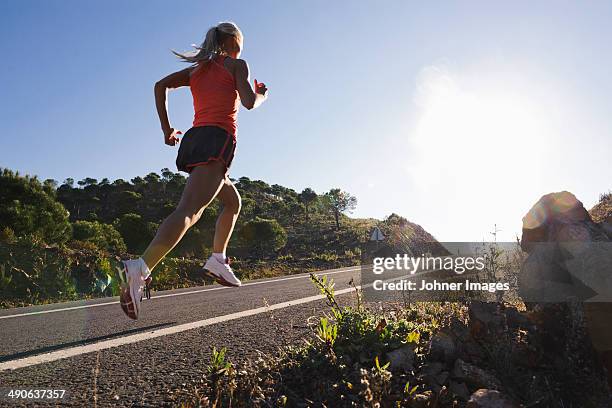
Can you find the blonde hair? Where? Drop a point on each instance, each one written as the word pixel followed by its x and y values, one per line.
pixel 211 46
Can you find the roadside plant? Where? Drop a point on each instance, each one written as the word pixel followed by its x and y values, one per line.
pixel 218 364
pixel 327 332
pixel 326 287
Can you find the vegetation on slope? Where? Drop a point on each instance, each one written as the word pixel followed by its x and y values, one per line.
pixel 602 211
pixel 66 233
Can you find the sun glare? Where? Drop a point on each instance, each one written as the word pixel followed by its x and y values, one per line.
pixel 480 146
pixel 470 132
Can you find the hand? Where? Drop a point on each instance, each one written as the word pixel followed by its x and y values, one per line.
pixel 171 136
pixel 261 88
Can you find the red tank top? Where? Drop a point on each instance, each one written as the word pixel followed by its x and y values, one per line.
pixel 215 98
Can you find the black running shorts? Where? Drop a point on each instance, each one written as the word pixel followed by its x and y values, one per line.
pixel 203 145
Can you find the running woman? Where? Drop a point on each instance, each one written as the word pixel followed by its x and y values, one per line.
pixel 219 82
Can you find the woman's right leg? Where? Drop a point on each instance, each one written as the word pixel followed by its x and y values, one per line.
pixel 202 186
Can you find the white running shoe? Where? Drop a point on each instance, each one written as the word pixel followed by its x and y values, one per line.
pixel 221 272
pixel 134 277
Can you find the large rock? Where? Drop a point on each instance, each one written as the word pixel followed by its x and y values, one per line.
pixel 432 369
pixel 459 389
pixel 432 374
pixel 558 234
pixel 484 398
pixel 442 348
pixel 570 260
pixel 551 219
pixel 570 256
pixel 516 319
pixel 485 319
pixel 474 376
pixel 402 358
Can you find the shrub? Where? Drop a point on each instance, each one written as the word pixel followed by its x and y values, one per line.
pixel 7 235
pixel 326 256
pixel 264 236
pixel 104 236
pixel 136 232
pixel 33 274
pixel 29 207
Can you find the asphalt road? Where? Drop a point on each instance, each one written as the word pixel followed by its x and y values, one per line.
pixel 101 358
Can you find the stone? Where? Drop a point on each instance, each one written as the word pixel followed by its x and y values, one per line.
pixel 485 319
pixel 516 319
pixel 474 376
pixel 442 348
pixel 559 236
pixel 554 208
pixel 525 355
pixel 459 389
pixel 402 358
pixel 442 377
pixel 432 368
pixel 569 259
pixel 484 398
pixel 606 225
pixel 472 350
pixel 458 329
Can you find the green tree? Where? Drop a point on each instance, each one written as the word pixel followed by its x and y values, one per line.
pixel 338 202
pixel 127 202
pixel 308 197
pixel 29 207
pixel 104 236
pixel 136 232
pixel 263 236
pixel 88 181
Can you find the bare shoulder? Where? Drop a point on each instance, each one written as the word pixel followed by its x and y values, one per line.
pixel 229 61
pixel 175 80
pixel 235 65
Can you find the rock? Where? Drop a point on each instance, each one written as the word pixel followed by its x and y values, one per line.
pixel 432 368
pixel 442 377
pixel 516 319
pixel 430 373
pixel 401 358
pixel 557 230
pixel 569 259
pixel 525 355
pixel 555 208
pixel 484 398
pixel 474 376
pixel 435 387
pixel 458 329
pixel 459 389
pixel 606 226
pixel 442 348
pixel 472 351
pixel 485 319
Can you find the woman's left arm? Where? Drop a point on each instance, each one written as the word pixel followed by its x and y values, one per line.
pixel 172 81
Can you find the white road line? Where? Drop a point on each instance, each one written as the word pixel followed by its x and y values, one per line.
pixel 174 294
pixel 107 344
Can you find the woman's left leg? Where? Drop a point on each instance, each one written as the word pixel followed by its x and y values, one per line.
pixel 230 198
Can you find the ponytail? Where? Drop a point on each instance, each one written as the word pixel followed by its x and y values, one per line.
pixel 211 46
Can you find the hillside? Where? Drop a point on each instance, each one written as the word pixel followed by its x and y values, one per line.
pixel 602 211
pixel 66 232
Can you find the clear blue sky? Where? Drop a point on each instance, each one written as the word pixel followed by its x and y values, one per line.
pixel 456 115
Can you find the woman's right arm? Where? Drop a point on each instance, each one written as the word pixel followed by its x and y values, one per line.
pixel 250 99
pixel 172 81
